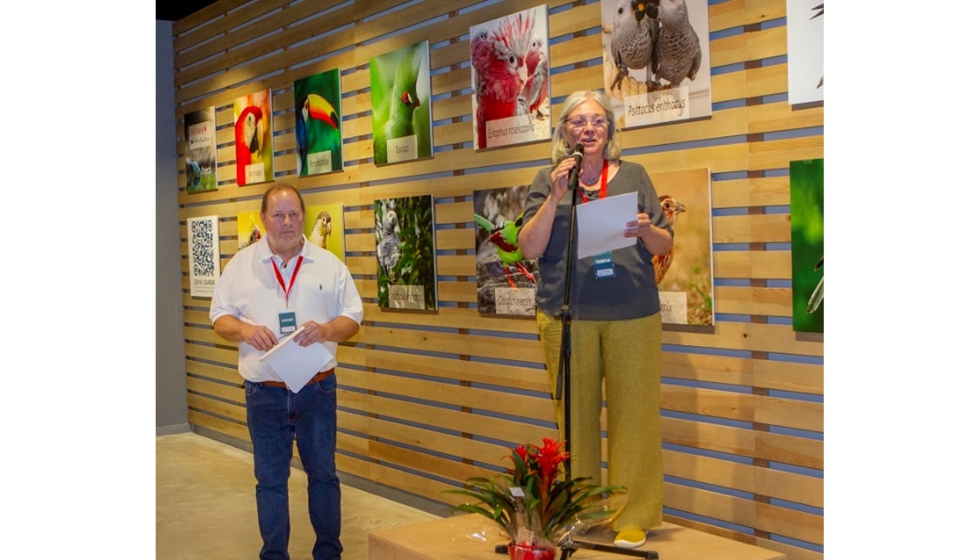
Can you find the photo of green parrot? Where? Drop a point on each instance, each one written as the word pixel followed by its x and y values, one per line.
pixel 504 238
pixel 400 102
pixel 806 218
pixel 506 281
pixel 318 123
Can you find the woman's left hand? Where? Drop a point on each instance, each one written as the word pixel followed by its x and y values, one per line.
pixel 640 227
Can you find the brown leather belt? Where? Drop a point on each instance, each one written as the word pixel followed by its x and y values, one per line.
pixel 316 379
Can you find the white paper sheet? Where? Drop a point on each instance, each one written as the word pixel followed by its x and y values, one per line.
pixel 601 224
pixel 295 364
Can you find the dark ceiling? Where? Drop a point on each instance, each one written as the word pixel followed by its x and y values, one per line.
pixel 172 10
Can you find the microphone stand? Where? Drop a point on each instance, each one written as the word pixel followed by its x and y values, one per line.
pixel 563 390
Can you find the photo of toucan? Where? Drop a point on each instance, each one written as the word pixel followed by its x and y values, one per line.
pixel 319 142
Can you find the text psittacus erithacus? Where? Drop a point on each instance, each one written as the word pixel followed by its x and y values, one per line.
pixel 634 40
pixel 678 48
pixel 388 250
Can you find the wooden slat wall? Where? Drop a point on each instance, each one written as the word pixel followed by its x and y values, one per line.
pixel 428 399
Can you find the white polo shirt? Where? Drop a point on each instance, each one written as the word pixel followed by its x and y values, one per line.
pixel 249 291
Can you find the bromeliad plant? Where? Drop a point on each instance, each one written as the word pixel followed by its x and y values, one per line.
pixel 533 502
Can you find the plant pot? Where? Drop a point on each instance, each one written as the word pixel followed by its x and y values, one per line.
pixel 529 552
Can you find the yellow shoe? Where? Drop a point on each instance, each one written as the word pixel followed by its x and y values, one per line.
pixel 631 538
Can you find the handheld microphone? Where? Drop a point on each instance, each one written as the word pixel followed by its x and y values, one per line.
pixel 573 176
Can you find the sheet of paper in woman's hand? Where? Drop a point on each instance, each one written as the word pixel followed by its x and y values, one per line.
pixel 601 224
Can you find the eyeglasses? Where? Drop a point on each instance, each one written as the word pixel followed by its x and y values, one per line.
pixel 578 123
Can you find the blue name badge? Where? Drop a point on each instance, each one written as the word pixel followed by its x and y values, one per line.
pixel 603 266
pixel 287 322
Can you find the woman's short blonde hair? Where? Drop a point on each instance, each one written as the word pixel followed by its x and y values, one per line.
pixel 559 146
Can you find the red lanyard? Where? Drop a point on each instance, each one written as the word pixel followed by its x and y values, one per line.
pixel 292 280
pixel 602 187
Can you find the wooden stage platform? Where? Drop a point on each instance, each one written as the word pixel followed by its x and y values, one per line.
pixel 474 537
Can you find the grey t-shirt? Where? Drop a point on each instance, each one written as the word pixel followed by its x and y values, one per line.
pixel 632 292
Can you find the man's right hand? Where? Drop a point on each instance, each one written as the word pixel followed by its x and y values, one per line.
pixel 259 337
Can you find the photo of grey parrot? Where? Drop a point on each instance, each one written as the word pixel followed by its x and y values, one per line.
pixel 322 228
pixel 388 248
pixel 678 48
pixel 634 40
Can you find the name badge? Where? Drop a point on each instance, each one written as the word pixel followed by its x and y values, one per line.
pixel 287 321
pixel 603 266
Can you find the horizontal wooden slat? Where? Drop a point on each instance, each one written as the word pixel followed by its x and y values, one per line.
pixel 511 376
pixel 748 336
pixel 701 502
pixel 436 439
pixel 768 374
pixel 452 394
pixel 777 302
pixel 774 265
pixel 798 525
pixel 791 552
pixel 231 412
pixel 213 371
pixel 219 425
pixel 405 481
pixel 765 482
pixel 759 228
pixel 763 191
pixel 217 390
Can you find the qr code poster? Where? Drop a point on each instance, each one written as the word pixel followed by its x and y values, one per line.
pixel 202 244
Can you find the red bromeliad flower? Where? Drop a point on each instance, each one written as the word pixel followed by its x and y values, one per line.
pixel 550 457
pixel 521 452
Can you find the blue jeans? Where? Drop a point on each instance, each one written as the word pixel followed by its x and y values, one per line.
pixel 275 416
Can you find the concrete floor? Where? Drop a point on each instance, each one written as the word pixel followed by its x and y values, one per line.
pixel 206 505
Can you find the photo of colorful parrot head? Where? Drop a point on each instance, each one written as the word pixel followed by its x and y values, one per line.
pixel 253 137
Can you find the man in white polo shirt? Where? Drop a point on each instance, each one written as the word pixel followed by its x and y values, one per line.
pixel 269 290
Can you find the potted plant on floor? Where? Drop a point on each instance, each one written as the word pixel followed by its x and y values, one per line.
pixel 533 502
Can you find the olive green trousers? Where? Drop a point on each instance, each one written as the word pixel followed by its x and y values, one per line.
pixel 626 354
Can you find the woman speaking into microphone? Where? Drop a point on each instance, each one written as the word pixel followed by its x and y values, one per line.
pixel 615 310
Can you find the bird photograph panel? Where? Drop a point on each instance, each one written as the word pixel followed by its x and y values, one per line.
pixel 250 228
pixel 200 157
pixel 511 81
pixel 401 105
pixel 324 227
pixel 804 50
pixel 405 236
pixel 319 141
pixel 806 243
pixel 656 63
pixel 506 282
pixel 253 138
pixel 684 276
